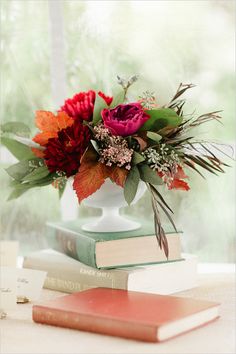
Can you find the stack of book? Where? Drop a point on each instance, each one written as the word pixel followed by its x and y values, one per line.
pixel 79 260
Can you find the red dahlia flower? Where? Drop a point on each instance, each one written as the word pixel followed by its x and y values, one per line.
pixel 80 106
pixel 64 152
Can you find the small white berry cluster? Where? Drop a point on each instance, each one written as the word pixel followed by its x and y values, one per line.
pixel 163 159
pixel 148 100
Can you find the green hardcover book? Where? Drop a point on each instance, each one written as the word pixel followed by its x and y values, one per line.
pixel 111 250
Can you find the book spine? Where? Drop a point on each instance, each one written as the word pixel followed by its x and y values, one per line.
pixel 60 277
pixel 72 244
pixel 119 281
pixel 108 326
pixel 64 285
pixel 70 286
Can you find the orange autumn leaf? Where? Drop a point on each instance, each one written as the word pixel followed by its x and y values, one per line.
pixel 118 175
pixel 50 124
pixel 91 175
pixel 90 156
pixel 179 184
pixel 37 152
pixel 47 121
pixel 89 179
pixel 42 138
pixel 180 173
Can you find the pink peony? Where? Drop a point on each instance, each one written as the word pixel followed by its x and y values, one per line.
pixel 125 119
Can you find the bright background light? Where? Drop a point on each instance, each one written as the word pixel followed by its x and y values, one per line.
pixel 166 42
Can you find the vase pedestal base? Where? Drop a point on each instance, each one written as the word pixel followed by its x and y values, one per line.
pixel 111 221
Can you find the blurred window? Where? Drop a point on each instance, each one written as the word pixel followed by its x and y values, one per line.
pixel 52 49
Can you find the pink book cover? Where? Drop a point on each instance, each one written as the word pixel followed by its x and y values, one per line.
pixel 129 314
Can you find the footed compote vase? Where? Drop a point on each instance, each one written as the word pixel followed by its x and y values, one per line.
pixel 110 198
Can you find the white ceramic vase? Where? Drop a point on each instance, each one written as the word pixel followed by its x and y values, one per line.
pixel 110 198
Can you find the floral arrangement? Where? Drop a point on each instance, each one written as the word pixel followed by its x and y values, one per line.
pixel 93 137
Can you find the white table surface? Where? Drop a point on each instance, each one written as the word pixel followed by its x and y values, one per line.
pixel 19 334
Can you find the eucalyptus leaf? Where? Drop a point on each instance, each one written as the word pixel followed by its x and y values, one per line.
pixel 118 98
pixel 154 136
pixel 137 158
pixel 161 118
pixel 19 170
pixel 16 193
pixel 100 104
pixel 37 174
pixel 19 150
pixel 14 183
pixel 150 176
pixel 17 128
pixel 131 185
pixel 18 189
pixel 42 181
pixel 61 190
pixel 36 183
pixel 21 187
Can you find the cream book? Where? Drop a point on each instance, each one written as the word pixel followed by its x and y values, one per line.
pixel 69 275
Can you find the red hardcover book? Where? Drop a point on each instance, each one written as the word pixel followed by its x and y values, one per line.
pixel 129 314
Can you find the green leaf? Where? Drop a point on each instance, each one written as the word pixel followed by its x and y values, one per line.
pixel 100 104
pixel 19 188
pixel 19 185
pixel 137 158
pixel 17 128
pixel 161 118
pixel 131 185
pixel 42 182
pixel 37 174
pixel 19 170
pixel 16 193
pixel 154 136
pixel 118 98
pixel 19 150
pixel 95 145
pixel 148 175
pixel 61 190
pixel 14 183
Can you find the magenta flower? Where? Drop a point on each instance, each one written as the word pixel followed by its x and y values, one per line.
pixel 125 119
